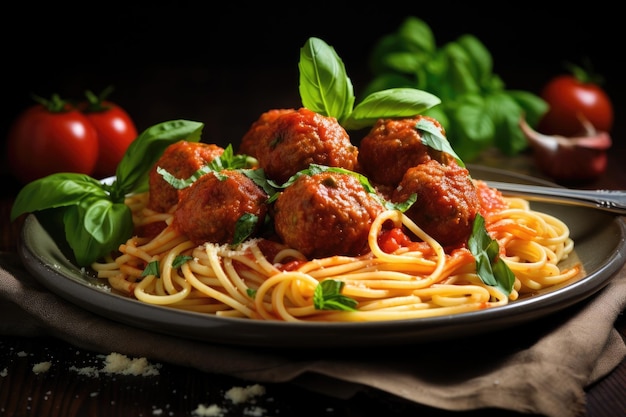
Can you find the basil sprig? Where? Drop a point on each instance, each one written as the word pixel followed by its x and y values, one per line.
pixel 325 88
pixel 476 109
pixel 95 218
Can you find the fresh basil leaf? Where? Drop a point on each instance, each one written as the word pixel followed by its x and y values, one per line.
pixel 534 107
pixel 180 260
pixel 152 269
pixel 417 36
pixel 403 62
pixel 95 227
pixel 327 296
pixel 244 227
pixel 182 183
pixel 460 77
pixel 259 178
pixel 506 114
pixel 325 87
pixel 56 190
pixel 142 153
pixel 396 102
pixel 229 160
pixel 431 136
pixel 491 269
pixel 479 60
pixel 401 206
pixel 474 128
pixel 108 222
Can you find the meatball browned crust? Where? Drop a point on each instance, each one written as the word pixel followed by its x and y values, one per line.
pixel 301 138
pixel 394 145
pixel 260 132
pixel 447 200
pixel 181 159
pixel 326 214
pixel 209 209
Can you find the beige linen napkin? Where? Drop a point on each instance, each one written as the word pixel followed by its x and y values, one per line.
pixel 541 367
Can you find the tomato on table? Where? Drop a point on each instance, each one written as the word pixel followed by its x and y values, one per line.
pixel 51 137
pixel 574 98
pixel 115 128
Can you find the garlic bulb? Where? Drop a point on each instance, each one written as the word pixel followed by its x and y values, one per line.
pixel 569 159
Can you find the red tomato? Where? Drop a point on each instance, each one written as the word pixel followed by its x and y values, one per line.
pixel 569 99
pixel 116 130
pixel 52 138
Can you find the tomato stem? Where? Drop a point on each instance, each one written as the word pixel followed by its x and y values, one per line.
pixel 585 74
pixel 96 102
pixel 55 105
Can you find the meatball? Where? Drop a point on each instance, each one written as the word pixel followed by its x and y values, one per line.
pixel 209 209
pixel 300 138
pixel 392 146
pixel 326 214
pixel 447 200
pixel 181 159
pixel 260 132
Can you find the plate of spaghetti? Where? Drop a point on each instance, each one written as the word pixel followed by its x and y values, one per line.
pixel 267 294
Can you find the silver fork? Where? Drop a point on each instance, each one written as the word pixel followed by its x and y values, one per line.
pixel 613 201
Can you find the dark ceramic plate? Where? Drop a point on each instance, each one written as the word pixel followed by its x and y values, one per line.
pixel 599 244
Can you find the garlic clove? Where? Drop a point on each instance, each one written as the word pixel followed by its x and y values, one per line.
pixel 567 159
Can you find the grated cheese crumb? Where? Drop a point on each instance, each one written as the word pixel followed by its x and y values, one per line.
pixel 255 411
pixel 212 410
pixel 86 371
pixel 242 394
pixel 116 363
pixel 41 367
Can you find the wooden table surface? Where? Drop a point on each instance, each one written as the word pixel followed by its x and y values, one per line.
pixel 179 391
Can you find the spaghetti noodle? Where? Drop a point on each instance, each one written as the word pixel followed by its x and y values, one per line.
pixel 245 281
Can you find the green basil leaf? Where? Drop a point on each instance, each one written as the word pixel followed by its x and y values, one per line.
pixel 56 190
pixel 327 296
pixel 460 70
pixel 324 87
pixel 404 62
pixel 259 178
pixel 132 171
pixel 479 59
pixel 95 227
pixel 180 260
pixel 152 269
pixel 397 102
pixel 514 141
pixel 506 114
pixel 491 269
pixel 534 107
pixel 417 36
pixel 244 227
pixel 431 136
pixel 229 160
pixel 474 128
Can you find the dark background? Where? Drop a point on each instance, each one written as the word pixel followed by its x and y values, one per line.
pixel 225 65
